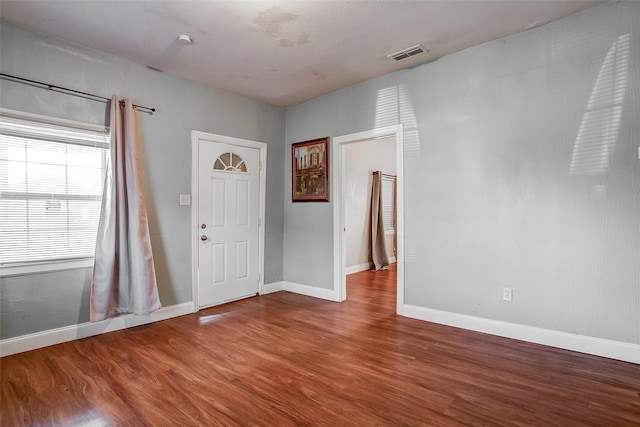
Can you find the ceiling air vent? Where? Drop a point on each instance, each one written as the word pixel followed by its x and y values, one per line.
pixel 407 53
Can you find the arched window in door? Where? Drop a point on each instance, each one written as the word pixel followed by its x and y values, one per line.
pixel 230 162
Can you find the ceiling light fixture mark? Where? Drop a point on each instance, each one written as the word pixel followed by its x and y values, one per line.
pixel 185 39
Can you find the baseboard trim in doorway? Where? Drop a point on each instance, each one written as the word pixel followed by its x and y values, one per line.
pixel 36 340
pixel 364 267
pixel 584 344
pixel 358 268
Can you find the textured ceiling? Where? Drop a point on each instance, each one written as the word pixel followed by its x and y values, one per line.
pixel 282 52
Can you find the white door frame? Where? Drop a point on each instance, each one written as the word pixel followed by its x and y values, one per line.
pixel 196 137
pixel 339 242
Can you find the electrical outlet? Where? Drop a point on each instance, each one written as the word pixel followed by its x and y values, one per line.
pixel 507 294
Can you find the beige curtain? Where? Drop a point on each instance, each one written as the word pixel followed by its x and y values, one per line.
pixel 378 247
pixel 124 278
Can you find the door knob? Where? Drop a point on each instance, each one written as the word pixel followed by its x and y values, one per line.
pixel 203 237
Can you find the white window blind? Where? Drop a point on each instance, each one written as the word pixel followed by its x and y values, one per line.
pixel 389 202
pixel 51 181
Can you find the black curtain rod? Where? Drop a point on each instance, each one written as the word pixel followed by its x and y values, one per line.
pixel 61 89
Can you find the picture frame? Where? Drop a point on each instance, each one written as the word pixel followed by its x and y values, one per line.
pixel 310 170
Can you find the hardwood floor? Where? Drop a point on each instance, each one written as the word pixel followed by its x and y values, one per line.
pixel 285 359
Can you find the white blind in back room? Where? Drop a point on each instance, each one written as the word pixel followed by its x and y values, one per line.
pixel 388 202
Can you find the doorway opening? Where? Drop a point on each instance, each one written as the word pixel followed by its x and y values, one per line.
pixel 341 189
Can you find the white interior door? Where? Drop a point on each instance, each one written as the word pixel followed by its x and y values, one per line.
pixel 228 222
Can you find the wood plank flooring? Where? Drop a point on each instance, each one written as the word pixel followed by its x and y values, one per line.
pixel 288 360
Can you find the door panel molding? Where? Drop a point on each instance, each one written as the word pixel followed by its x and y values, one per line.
pixel 196 138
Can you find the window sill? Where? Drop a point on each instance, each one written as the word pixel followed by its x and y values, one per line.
pixel 25 268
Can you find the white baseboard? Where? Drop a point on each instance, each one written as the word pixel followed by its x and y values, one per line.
pixel 310 291
pixel 364 267
pixel 584 344
pixel 272 287
pixel 15 345
pixel 358 268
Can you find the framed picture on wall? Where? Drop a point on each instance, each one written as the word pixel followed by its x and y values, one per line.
pixel 310 171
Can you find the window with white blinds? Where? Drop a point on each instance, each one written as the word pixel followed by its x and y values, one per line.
pixel 389 202
pixel 51 180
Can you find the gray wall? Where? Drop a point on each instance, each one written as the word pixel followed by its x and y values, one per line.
pixel 49 300
pixel 503 188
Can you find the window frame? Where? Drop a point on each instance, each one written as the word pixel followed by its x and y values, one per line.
pixel 17 268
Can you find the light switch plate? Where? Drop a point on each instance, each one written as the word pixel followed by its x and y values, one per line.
pixel 185 199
